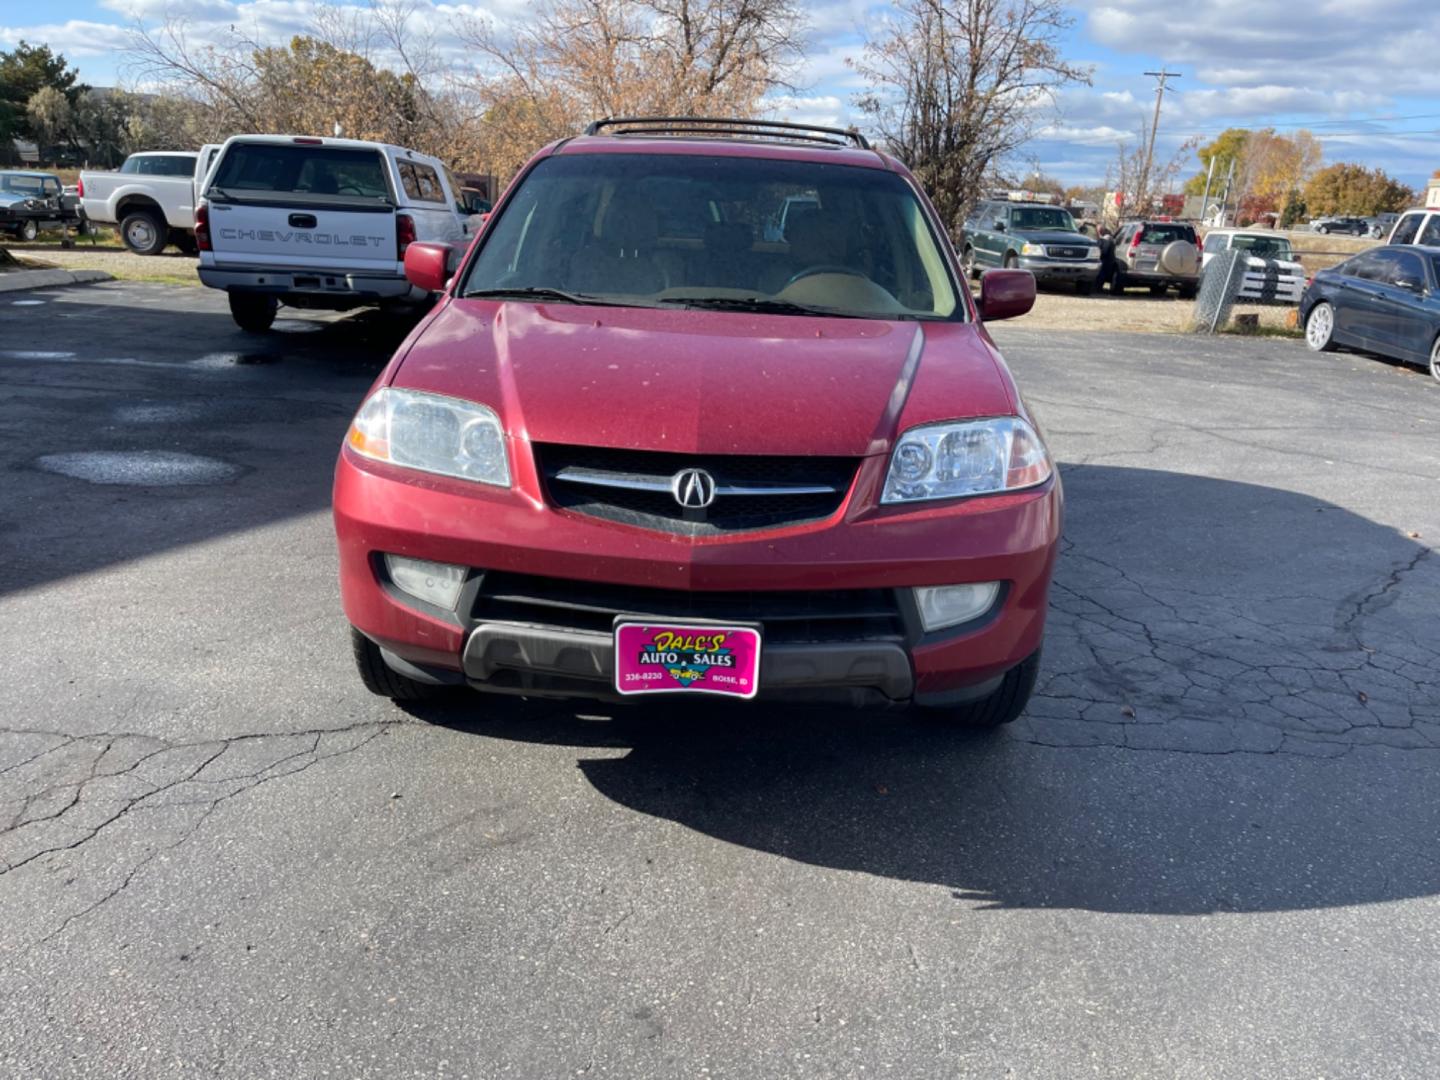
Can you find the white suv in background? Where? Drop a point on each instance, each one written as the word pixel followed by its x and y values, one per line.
pixel 319 223
pixel 1417 227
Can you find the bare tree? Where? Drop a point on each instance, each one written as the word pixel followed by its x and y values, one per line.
pixel 957 86
pixel 1138 192
pixel 578 60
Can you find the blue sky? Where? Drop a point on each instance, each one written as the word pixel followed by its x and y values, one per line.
pixel 1358 73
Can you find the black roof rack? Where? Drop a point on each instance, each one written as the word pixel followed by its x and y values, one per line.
pixel 728 126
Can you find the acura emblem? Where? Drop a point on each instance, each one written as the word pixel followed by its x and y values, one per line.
pixel 693 489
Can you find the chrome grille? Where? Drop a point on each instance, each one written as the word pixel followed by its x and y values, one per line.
pixel 635 487
pixel 1058 252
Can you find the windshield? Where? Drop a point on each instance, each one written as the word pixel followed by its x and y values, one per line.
pixel 22 185
pixel 1269 247
pixel 1043 219
pixel 675 229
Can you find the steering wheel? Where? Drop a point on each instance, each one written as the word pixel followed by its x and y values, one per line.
pixel 824 268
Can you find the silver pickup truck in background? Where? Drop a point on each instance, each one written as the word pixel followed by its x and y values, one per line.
pixel 151 198
pixel 320 223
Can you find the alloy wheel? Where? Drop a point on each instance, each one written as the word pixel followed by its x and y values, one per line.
pixel 1435 360
pixel 1320 326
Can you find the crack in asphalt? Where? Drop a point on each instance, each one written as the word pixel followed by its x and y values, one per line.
pixel 1156 668
pixel 145 770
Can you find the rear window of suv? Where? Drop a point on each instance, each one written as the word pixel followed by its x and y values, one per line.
pixel 1166 234
pixel 667 229
pixel 313 173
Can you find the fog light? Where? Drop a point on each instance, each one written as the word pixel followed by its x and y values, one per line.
pixel 435 583
pixel 950 605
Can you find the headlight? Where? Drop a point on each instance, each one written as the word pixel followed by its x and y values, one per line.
pixel 974 457
pixel 1092 252
pixel 1032 249
pixel 432 433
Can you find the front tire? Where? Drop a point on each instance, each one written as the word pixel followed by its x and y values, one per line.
pixel 1435 360
pixel 143 232
pixel 1001 707
pixel 1320 329
pixel 253 312
pixel 378 677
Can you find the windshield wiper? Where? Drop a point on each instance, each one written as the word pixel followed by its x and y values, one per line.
pixel 531 292
pixel 763 305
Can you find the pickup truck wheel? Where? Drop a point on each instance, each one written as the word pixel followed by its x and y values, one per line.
pixel 1001 707
pixel 143 232
pixel 1011 261
pixel 29 231
pixel 253 312
pixel 378 677
pixel 184 242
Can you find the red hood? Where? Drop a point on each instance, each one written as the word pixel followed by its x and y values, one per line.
pixel 700 382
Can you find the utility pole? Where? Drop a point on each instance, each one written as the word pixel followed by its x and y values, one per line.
pixel 1161 77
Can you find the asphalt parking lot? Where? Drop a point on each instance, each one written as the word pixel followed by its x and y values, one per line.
pixel 1209 849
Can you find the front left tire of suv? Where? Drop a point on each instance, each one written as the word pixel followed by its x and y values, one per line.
pixel 1002 706
pixel 382 680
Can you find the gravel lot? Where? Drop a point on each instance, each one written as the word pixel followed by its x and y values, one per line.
pixel 1209 848
pixel 169 267
pixel 1135 312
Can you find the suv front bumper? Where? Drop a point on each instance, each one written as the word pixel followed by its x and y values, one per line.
pixel 519 645
pixel 1061 270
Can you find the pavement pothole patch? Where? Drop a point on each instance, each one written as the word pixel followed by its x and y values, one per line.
pixel 297 326
pixel 157 412
pixel 140 468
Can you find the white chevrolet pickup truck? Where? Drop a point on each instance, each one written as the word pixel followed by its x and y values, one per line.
pixel 319 223
pixel 151 198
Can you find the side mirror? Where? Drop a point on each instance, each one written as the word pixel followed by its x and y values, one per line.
pixel 1004 294
pixel 999 225
pixel 429 266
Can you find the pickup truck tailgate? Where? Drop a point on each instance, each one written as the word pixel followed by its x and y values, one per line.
pixel 247 234
pixel 299 206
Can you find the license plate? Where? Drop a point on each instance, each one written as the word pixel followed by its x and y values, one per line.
pixel 687 658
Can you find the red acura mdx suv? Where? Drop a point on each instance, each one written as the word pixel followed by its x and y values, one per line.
pixel 706 408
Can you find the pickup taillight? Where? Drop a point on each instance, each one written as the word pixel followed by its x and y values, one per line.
pixel 202 227
pixel 404 234
pixel 80 187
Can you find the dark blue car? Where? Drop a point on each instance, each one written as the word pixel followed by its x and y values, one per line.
pixel 1386 301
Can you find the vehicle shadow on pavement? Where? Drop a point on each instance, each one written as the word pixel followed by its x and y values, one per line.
pixel 1239 711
